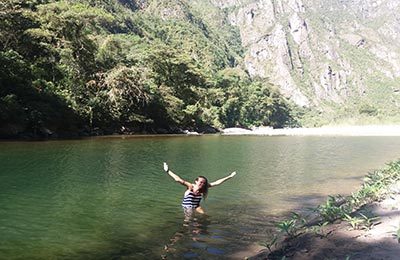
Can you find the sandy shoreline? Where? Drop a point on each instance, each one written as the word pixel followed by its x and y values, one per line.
pixel 370 130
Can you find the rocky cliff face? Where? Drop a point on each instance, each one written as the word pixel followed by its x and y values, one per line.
pixel 323 51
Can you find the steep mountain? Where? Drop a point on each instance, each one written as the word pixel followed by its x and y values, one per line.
pixel 338 57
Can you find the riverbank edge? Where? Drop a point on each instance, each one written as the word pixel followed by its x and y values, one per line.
pixel 340 237
pixel 360 130
pixel 356 130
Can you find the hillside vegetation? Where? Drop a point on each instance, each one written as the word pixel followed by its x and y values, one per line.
pixel 78 67
pixel 83 67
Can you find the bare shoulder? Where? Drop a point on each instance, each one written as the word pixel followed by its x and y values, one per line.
pixel 187 184
pixel 189 188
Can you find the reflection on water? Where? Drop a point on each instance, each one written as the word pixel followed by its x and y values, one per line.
pixel 109 198
pixel 208 237
pixel 192 233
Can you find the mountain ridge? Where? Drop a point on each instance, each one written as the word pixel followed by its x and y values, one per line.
pixel 313 50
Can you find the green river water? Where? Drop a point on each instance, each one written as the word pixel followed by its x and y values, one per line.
pixel 109 198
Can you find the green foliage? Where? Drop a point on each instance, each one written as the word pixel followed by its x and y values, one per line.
pixel 319 228
pixel 355 222
pixel 368 109
pixel 361 222
pixel 249 103
pixel 368 221
pixel 288 227
pixel 270 244
pixel 331 210
pixel 11 110
pixel 120 95
pixel 122 63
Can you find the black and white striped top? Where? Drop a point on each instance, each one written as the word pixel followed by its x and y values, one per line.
pixel 192 200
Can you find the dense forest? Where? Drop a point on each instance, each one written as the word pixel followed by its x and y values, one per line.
pixel 84 67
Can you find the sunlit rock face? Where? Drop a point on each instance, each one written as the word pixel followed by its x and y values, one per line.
pixel 319 51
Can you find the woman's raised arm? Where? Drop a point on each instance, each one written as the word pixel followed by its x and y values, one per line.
pixel 176 177
pixel 220 181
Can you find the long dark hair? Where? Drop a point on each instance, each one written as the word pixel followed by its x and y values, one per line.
pixel 205 187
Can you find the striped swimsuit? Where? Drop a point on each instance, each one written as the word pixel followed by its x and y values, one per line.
pixel 192 200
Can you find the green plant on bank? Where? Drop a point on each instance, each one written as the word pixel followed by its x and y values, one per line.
pixel 288 227
pixel 354 222
pixel 318 229
pixel 298 217
pixel 270 244
pixel 369 221
pixel 364 222
pixel 331 210
pixel 372 191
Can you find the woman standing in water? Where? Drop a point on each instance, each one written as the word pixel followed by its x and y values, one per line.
pixel 195 191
